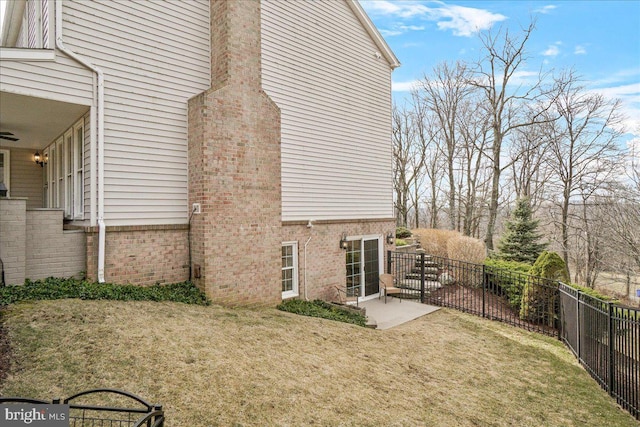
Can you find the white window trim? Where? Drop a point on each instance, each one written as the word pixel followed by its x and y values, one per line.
pixel 67 172
pixel 64 173
pixel 77 179
pixel 7 170
pixel 295 288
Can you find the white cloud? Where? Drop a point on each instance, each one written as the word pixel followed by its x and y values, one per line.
pixel 629 95
pixel 546 9
pixel 465 21
pixel 553 49
pixel 461 20
pixel 404 86
pixel 390 33
pixel 580 50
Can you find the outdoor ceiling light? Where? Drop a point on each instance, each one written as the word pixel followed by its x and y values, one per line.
pixel 390 238
pixel 40 160
pixel 343 241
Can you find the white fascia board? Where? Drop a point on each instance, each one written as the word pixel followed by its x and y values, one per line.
pixel 18 54
pixel 375 35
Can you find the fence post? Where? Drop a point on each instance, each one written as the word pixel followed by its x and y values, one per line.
pixel 422 273
pixel 578 327
pixel 611 348
pixel 559 312
pixel 484 285
pixel 389 262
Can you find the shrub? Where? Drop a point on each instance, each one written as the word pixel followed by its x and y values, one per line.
pixel 507 278
pixel 400 242
pixel 402 232
pixel 434 241
pixel 322 309
pixel 468 249
pixel 57 288
pixel 539 296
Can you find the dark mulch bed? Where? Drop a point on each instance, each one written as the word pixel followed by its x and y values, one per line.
pixel 469 300
pixel 5 350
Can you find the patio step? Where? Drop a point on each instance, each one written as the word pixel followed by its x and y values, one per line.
pixel 417 276
pixel 414 285
pixel 427 270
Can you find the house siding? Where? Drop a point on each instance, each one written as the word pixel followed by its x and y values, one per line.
pixel 319 66
pixel 26 178
pixel 63 80
pixel 150 71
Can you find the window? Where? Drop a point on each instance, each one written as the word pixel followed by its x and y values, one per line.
pixel 78 193
pixel 289 269
pixel 68 174
pixel 5 175
pixel 64 173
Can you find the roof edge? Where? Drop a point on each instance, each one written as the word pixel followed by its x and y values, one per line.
pixel 374 33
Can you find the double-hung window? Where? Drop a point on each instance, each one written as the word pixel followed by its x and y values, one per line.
pixel 289 269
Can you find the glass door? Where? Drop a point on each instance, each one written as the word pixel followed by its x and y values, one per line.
pixel 371 267
pixel 363 267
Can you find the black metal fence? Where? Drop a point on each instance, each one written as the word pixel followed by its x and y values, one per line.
pixel 604 336
pixel 518 299
pixel 92 414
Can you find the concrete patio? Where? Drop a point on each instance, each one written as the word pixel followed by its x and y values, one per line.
pixel 395 312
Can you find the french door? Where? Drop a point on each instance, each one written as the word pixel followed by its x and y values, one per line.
pixel 364 265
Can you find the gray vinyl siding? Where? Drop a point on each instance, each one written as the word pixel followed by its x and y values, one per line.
pixel 320 68
pixel 63 80
pixel 154 56
pixel 26 177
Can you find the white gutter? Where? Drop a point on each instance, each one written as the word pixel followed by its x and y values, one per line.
pixel 99 126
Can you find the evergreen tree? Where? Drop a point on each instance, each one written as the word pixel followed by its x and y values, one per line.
pixel 520 242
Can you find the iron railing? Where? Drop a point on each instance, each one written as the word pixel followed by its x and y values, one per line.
pixel 518 299
pixel 605 337
pixel 88 414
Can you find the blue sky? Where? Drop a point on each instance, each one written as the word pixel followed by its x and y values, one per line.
pixel 599 39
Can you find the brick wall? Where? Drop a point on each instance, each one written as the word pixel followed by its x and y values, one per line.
pixel 34 245
pixel 326 267
pixel 234 167
pixel 141 255
pixel 13 225
pixel 52 251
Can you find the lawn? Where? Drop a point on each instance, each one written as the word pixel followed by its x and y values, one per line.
pixel 213 366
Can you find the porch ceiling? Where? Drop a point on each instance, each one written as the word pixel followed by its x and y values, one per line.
pixel 35 121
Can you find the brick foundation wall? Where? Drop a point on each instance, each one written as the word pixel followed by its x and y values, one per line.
pixel 13 226
pixel 52 251
pixel 141 255
pixel 326 265
pixel 234 167
pixel 34 245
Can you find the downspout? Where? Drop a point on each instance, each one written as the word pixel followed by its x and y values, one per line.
pixel 305 267
pixel 99 98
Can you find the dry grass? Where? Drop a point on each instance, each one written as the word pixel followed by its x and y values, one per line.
pixel 212 366
pixel 468 249
pixel 615 285
pixel 434 241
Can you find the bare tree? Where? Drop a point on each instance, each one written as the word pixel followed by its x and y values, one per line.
pixel 408 158
pixel 583 148
pixel 474 172
pixel 443 94
pixel 530 172
pixel 494 76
